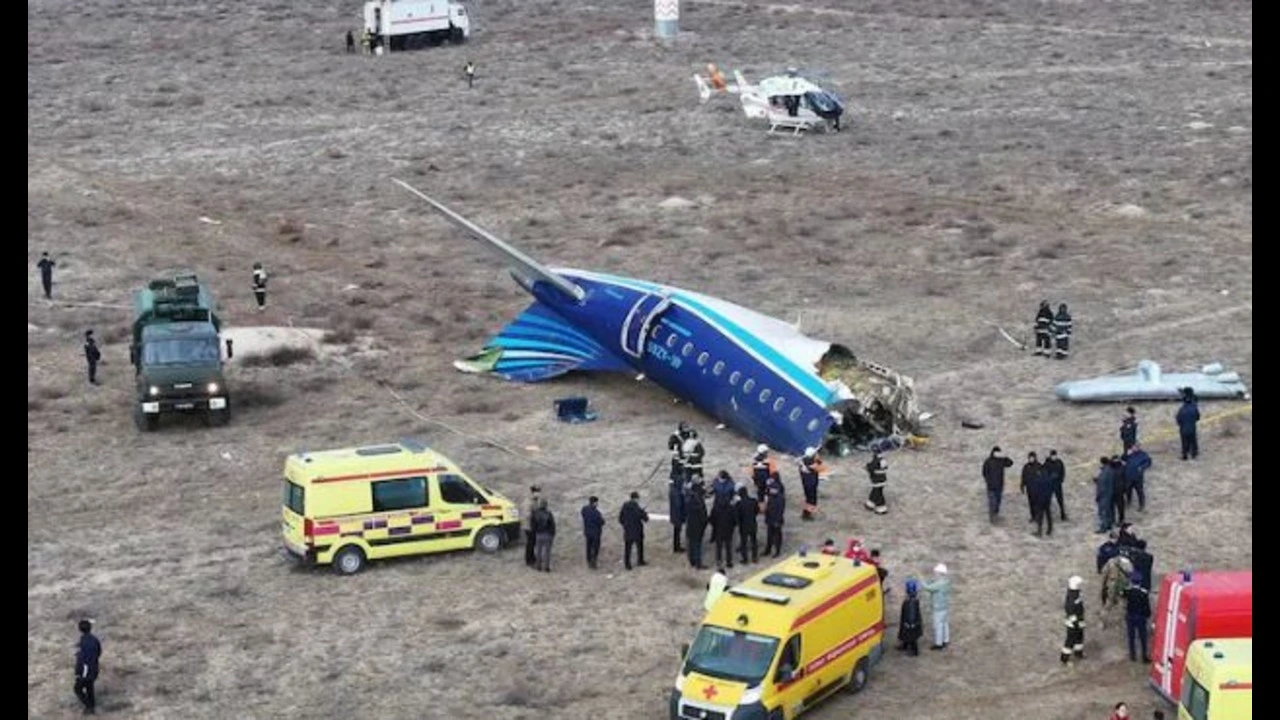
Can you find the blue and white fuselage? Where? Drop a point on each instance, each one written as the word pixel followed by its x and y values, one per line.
pixel 752 372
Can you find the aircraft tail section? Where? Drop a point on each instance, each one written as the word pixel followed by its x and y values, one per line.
pixel 522 263
pixel 538 345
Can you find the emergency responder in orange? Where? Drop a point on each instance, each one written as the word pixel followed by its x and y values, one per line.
pixel 716 78
pixel 811 469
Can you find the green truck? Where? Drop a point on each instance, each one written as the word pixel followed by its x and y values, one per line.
pixel 176 352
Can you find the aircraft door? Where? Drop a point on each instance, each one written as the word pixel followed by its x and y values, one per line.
pixel 640 320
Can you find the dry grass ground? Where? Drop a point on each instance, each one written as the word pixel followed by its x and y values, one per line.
pixel 990 151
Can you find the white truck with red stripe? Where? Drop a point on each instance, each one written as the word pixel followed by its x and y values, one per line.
pixel 408 24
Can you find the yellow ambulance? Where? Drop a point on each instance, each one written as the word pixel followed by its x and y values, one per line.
pixel 1217 681
pixel 782 641
pixel 349 506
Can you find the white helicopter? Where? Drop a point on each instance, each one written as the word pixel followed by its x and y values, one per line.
pixel 790 102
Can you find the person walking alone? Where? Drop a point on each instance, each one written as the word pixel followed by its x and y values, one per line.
pixel 87 654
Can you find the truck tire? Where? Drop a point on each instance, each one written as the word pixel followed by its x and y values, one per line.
pixel 859 677
pixel 146 422
pixel 490 540
pixel 349 560
pixel 218 418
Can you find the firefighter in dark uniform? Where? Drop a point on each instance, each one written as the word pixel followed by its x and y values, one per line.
pixel 878 470
pixel 1129 429
pixel 1056 471
pixel 1044 328
pixel 775 509
pixel 1062 333
pixel 693 454
pixel 677 487
pixel 260 285
pixel 723 520
pixel 762 468
pixel 1073 607
pixel 92 356
pixel 811 470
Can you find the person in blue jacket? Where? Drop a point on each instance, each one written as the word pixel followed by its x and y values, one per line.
pixel 1136 464
pixel 1187 417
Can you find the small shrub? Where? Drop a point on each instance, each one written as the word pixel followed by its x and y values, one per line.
pixel 280 357
pixel 253 395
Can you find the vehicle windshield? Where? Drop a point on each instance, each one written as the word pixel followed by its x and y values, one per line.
pixel 180 352
pixel 731 654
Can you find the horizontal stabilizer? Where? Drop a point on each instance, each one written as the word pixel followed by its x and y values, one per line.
pixel 539 345
pixel 523 263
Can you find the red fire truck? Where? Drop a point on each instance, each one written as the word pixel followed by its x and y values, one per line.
pixel 1194 606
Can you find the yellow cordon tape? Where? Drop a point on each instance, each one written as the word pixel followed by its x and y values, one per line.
pixel 1171 434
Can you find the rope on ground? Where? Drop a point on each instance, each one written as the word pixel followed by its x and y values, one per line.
pixel 493 443
pixel 1167 435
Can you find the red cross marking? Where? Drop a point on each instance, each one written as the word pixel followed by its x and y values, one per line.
pixel 709 691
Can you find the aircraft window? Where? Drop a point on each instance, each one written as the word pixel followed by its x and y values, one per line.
pixel 734 377
pixel 718 368
pixel 765 394
pixel 813 424
pixel 703 358
pixel 777 404
pixel 657 329
pixel 795 415
pixel 687 350
pixel 749 385
pixel 672 339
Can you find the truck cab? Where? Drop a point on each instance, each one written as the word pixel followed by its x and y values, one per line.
pixel 176 352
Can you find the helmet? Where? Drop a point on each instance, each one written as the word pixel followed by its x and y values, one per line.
pixel 912 587
pixel 810 451
pixel 683 426
pixel 1075 582
pixel 940 568
pixel 761 449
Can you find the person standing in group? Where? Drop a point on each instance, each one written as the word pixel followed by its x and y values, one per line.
pixel 811 471
pixel 544 534
pixel 1062 329
pixel 351 42
pixel 530 507
pixel 677 485
pixel 1137 613
pixel 1044 329
pixel 1136 464
pixel 46 266
pixel 993 474
pixel 88 652
pixel 632 518
pixel 1056 473
pixel 693 457
pixel 723 520
pixel 1040 495
pixel 1103 494
pixel 592 529
pixel 774 515
pixel 695 508
pixel 1073 608
pixel 911 621
pixel 762 468
pixel 1188 417
pixel 1129 428
pixel 1030 470
pixel 92 356
pixel 748 511
pixel 940 596
pixel 878 473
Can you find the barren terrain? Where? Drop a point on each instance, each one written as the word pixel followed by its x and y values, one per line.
pixel 995 153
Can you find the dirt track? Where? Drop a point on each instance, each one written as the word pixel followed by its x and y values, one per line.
pixel 992 154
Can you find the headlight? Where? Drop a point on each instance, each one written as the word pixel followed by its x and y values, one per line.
pixel 213 388
pixel 680 682
pixel 153 391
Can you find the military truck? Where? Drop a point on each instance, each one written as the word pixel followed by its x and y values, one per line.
pixel 176 353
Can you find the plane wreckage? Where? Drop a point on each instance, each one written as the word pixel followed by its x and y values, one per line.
pixel 754 373
pixel 1149 383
